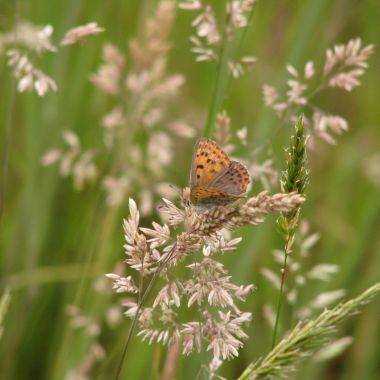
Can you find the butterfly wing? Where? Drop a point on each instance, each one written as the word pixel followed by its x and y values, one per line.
pixel 234 180
pixel 203 198
pixel 215 179
pixel 209 161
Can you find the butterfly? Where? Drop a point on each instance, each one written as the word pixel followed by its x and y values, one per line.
pixel 215 180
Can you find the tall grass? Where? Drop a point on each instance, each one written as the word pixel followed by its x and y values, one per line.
pixel 55 243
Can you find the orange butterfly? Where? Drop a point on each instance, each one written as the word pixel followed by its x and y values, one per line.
pixel 215 179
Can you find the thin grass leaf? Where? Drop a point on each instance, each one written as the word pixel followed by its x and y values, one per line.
pixel 305 338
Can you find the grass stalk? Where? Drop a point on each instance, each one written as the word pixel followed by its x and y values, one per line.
pixel 231 41
pixel 141 301
pixel 9 127
pixel 294 178
pixel 4 305
pixel 281 294
pixel 221 80
pixel 305 339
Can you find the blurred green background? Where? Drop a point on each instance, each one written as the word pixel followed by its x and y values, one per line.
pixel 55 242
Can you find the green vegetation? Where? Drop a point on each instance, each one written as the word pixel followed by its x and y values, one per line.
pixel 58 314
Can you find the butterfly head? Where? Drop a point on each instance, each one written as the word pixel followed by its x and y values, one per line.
pixel 185 198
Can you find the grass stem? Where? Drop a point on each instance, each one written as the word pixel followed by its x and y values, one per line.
pixel 9 128
pixel 280 297
pixel 220 84
pixel 140 303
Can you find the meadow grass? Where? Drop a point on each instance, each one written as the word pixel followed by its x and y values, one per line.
pixel 56 243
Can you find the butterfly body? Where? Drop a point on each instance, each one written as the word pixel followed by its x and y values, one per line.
pixel 215 179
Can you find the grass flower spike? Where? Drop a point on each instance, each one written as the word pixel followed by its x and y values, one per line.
pixel 156 252
pixel 294 178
